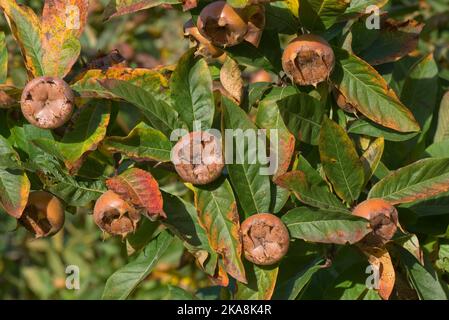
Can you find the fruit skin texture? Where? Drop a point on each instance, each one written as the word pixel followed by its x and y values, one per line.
pixel 221 24
pixel 114 215
pixel 308 60
pixel 205 47
pixel 265 239
pixel 383 218
pixel 44 214
pixel 47 102
pixel 198 157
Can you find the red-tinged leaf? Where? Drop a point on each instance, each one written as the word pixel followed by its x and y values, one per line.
pixel 221 277
pixel 218 214
pixel 26 28
pixel 380 260
pixel 63 22
pixel 14 191
pixel 418 181
pixel 117 8
pixel 141 189
pixel 87 84
pixel 365 89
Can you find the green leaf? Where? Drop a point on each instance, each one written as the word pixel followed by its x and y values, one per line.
pixel 217 210
pixel 261 283
pixel 340 161
pixel 116 8
pixel 191 91
pixel 319 15
pixel 425 280
pixel 359 6
pixel 365 89
pixel 367 128
pixel 123 282
pixel 3 58
pixel 303 115
pixel 251 186
pixel 26 28
pixel 418 181
pixel 77 192
pixel 280 19
pixel 9 158
pixel 238 3
pixel 309 187
pixel 183 221
pixel 442 130
pixel 89 130
pixel 14 190
pixel 290 288
pixel 371 158
pixel 143 143
pixel 160 115
pixel 325 227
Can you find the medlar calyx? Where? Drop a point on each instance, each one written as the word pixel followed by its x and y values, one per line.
pixel 43 215
pixel 198 157
pixel 308 60
pixel 114 215
pixel 265 238
pixel 221 24
pixel 383 219
pixel 47 102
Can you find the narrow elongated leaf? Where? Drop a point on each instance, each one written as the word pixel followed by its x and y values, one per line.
pixel 309 187
pixel 117 8
pixel 418 181
pixel 14 190
pixel 123 282
pixel 63 22
pixel 371 129
pixel 325 227
pixel 319 15
pixel 249 180
pixel 442 131
pixel 218 214
pixel 139 188
pixel 143 143
pixel 365 89
pixel 161 115
pixel 3 58
pixel 340 161
pixel 303 115
pixel 261 283
pixel 89 130
pixel 191 91
pixel 26 28
pixel 87 84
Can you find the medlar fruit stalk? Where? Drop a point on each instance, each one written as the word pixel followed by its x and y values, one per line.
pixel 205 47
pixel 43 215
pixel 47 102
pixel 114 215
pixel 308 60
pixel 198 157
pixel 383 219
pixel 221 24
pixel 265 239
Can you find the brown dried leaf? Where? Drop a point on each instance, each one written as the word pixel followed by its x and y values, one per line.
pixel 231 79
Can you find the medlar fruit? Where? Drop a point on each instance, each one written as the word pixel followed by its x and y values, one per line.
pixel 265 238
pixel 198 157
pixel 308 60
pixel 205 47
pixel 383 219
pixel 114 215
pixel 221 24
pixel 43 215
pixel 255 16
pixel 47 102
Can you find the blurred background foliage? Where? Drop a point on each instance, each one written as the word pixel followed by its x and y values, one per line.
pixel 35 269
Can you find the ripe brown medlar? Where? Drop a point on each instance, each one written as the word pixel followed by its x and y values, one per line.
pixel 221 24
pixel 383 219
pixel 114 215
pixel 205 47
pixel 43 215
pixel 308 60
pixel 47 102
pixel 255 17
pixel 265 238
pixel 198 157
